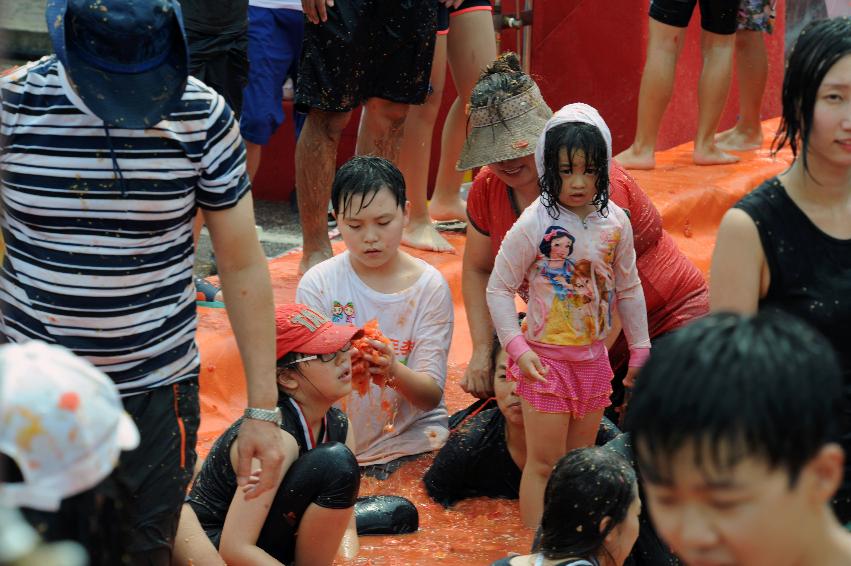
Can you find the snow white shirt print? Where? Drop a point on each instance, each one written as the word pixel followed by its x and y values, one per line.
pixel 577 269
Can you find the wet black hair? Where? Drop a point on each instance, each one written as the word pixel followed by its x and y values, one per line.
pixel 365 175
pixel 546 245
pixel 585 486
pixel 733 386
pixel 575 136
pixel 818 47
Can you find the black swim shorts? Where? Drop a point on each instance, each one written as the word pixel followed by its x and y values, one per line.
pixel 366 49
pixel 716 16
pixel 444 13
pixel 221 62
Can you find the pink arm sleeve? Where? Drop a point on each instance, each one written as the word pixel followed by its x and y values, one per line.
pixel 630 295
pixel 516 255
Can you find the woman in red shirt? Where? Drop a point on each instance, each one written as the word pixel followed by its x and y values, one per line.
pixel 507 114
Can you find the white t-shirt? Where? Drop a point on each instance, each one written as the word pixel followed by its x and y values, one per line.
pixel 419 322
pixel 276 4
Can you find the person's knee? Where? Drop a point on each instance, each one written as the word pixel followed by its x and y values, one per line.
pixel 665 39
pixel 717 44
pixel 329 124
pixel 541 464
pixel 391 113
pixel 337 471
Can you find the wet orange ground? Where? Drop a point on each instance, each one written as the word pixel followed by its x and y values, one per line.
pixel 691 199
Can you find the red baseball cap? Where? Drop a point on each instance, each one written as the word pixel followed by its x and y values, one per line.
pixel 301 329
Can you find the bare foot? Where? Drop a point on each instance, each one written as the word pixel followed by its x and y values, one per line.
pixel 424 236
pixel 450 209
pixel 309 259
pixel 739 139
pixel 712 156
pixel 631 158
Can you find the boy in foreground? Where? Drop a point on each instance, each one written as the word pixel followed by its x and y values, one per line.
pixel 412 303
pixel 733 432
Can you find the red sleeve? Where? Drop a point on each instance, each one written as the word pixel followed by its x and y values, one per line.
pixel 645 219
pixel 478 203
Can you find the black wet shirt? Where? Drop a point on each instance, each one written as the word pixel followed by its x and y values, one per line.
pixel 810 271
pixel 474 462
pixel 215 16
pixel 811 279
pixel 213 490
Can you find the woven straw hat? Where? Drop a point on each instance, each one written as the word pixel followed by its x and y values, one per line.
pixel 507 130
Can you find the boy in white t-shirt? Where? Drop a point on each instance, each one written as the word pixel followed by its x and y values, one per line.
pixel 412 303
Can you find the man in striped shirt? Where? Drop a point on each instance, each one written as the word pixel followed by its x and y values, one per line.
pixel 106 151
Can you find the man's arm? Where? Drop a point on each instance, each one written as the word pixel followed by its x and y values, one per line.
pixel 244 275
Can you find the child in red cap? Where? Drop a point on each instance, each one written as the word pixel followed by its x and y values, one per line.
pixel 316 494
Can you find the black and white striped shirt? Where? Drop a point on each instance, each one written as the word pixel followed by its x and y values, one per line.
pixel 98 223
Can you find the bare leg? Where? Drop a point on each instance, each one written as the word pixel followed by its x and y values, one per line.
pixel 583 432
pixel 315 164
pixel 415 155
pixel 191 545
pixel 319 535
pixel 752 71
pixel 664 45
pixel 381 127
pixel 712 92
pixel 471 47
pixel 252 158
pixel 546 438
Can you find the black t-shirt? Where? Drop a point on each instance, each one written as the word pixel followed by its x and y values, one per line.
pixel 215 16
pixel 811 279
pixel 213 490
pixel 474 462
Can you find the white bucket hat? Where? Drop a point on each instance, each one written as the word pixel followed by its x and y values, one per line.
pixel 61 421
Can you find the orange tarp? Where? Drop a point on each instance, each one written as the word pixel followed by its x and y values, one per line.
pixel 692 201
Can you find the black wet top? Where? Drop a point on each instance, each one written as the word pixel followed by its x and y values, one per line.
pixel 810 278
pixel 810 271
pixel 213 490
pixel 474 462
pixel 215 16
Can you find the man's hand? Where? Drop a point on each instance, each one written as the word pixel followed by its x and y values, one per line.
pixel 478 377
pixel 317 10
pixel 451 3
pixel 531 367
pixel 261 440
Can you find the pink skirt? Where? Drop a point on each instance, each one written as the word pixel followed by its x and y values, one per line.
pixel 578 387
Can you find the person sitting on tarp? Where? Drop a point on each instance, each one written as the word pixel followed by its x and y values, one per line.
pixel 316 492
pixel 399 414
pixel 486 452
pixel 506 117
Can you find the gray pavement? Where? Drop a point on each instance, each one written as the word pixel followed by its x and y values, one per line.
pixel 23 30
pixel 278 228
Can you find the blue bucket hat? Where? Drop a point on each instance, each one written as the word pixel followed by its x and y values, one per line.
pixel 128 60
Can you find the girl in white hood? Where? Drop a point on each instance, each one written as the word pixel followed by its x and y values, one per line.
pixel 575 249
